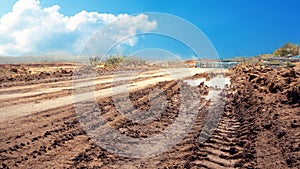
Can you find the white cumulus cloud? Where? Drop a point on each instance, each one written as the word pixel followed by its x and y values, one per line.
pixel 30 28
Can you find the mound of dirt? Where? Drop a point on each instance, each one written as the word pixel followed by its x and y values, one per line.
pixel 203 89
pixel 267 103
pixel 207 76
pixel 11 75
pixel 200 75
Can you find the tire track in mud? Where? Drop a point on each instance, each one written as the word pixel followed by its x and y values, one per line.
pixel 222 150
pixel 59 127
pixel 39 139
pixel 63 125
pixel 140 100
pixel 56 139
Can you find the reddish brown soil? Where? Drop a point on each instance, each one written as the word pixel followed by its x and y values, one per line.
pixel 266 103
pixel 22 74
pixel 259 129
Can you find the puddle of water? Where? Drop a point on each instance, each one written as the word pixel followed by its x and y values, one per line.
pixel 216 104
pixel 194 82
pixel 219 82
pixel 213 95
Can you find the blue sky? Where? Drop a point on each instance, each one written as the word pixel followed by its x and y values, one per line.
pixel 235 28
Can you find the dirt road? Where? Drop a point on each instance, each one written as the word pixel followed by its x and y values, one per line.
pixel 39 119
pixel 24 100
pixel 39 127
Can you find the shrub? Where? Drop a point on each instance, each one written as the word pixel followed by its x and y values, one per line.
pixel 290 65
pixel 114 60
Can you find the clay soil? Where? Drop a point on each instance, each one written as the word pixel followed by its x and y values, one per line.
pixel 260 126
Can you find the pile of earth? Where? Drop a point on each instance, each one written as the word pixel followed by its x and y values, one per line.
pixel 11 74
pixel 206 75
pixel 266 101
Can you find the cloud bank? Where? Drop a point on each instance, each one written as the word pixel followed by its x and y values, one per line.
pixel 30 28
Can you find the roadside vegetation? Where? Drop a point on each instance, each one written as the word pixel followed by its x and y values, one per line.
pixel 287 50
pixel 116 60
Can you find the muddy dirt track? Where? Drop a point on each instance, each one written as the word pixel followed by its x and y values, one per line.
pixel 258 129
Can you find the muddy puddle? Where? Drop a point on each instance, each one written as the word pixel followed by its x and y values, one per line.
pixel 216 85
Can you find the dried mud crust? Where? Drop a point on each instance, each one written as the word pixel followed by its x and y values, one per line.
pixel 266 102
